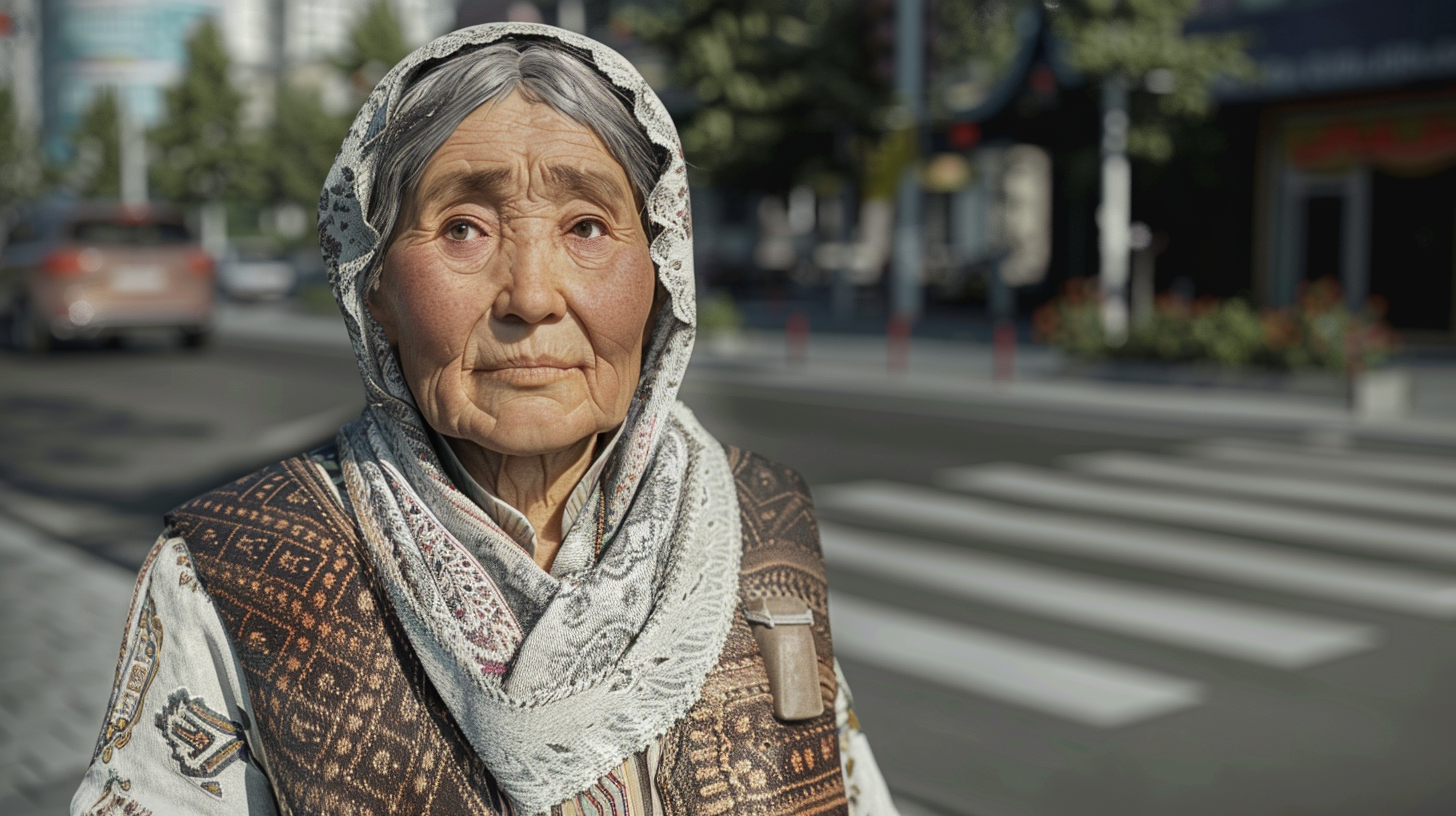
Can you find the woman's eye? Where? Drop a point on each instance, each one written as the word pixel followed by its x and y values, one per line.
pixel 461 231
pixel 588 228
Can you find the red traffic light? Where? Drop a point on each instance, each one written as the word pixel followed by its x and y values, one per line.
pixel 964 135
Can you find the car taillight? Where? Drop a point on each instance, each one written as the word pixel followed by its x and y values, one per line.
pixel 199 263
pixel 71 263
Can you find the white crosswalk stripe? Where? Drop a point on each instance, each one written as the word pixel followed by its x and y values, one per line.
pixel 1197 475
pixel 1321 528
pixel 1321 462
pixel 1140 518
pixel 1056 681
pixel 1335 578
pixel 1239 630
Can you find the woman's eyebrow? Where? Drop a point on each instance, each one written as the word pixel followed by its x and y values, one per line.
pixel 477 185
pixel 594 186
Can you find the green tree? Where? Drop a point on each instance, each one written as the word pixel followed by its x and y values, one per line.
pixel 1170 72
pixel 776 82
pixel 376 43
pixel 975 44
pixel 200 156
pixel 302 143
pixel 20 166
pixel 96 169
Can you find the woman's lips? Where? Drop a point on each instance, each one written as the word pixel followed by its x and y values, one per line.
pixel 529 372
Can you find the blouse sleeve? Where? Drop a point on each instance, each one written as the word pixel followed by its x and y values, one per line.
pixel 177 738
pixel 863 784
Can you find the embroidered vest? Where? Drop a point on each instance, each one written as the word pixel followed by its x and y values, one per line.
pixel 350 723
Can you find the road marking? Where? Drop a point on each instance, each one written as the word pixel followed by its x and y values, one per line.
pixel 1362 464
pixel 1191 621
pixel 1309 488
pixel 1053 681
pixel 1346 580
pixel 288 437
pixel 1321 528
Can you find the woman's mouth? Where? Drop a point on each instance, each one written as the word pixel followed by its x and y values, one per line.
pixel 530 371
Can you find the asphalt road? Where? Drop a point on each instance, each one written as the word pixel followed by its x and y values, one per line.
pixel 1165 622
pixel 1261 685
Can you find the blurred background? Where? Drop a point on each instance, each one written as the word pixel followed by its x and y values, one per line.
pixel 1116 338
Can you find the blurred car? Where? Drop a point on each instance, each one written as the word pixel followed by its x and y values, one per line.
pixel 252 271
pixel 101 270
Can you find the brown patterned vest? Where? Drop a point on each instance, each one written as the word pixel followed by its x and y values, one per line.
pixel 350 723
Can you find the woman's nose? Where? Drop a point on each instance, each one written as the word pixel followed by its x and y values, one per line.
pixel 532 291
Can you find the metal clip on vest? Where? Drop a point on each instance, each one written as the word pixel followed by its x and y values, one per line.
pixel 781 626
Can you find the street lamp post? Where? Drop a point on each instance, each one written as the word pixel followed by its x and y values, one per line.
pixel 132 140
pixel 1115 212
pixel 909 67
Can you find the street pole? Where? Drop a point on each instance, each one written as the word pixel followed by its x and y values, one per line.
pixel 909 66
pixel 278 41
pixel 571 15
pixel 133 142
pixel 842 293
pixel 1115 212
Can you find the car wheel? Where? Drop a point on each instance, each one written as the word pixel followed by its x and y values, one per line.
pixel 195 338
pixel 28 330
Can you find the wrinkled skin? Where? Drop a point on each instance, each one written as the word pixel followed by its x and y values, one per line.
pixel 517 293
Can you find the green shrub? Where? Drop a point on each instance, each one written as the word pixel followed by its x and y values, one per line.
pixel 718 313
pixel 1317 331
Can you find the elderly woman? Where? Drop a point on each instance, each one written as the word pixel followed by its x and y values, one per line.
pixel 526 579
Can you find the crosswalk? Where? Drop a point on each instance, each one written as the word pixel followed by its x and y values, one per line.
pixel 1361 531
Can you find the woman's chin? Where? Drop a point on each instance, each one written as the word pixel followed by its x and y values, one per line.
pixel 533 428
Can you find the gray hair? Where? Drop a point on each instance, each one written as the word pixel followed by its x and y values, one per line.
pixel 438 99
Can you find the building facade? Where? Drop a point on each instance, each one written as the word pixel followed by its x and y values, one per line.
pixel 139 48
pixel 1348 143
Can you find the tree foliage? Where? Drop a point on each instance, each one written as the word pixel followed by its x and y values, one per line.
pixel 20 165
pixel 975 42
pixel 1144 41
pixel 301 145
pixel 774 82
pixel 96 169
pixel 976 30
pixel 376 44
pixel 199 152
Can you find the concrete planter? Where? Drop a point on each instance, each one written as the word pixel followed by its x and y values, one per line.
pixel 1313 382
pixel 1381 395
pixel 722 342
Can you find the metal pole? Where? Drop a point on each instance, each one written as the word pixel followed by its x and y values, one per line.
pixel 1116 210
pixel 909 67
pixel 571 15
pixel 278 39
pixel 842 293
pixel 133 142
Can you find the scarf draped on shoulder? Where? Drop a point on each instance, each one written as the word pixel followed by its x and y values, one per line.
pixel 554 680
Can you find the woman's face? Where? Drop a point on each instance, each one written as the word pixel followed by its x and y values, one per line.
pixel 517 291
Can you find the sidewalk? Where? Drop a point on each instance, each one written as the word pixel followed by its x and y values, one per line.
pixel 961 372
pixel 62 612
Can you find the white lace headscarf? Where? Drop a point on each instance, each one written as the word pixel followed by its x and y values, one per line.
pixel 554 680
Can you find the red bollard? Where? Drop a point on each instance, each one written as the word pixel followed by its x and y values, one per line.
pixel 897 335
pixel 796 337
pixel 1003 351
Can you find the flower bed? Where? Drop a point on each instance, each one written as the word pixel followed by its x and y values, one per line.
pixel 1317 331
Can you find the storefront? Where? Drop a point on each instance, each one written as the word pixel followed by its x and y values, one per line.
pixel 1363 191
pixel 1354 156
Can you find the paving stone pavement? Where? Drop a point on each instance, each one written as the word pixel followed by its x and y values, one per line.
pixel 61 614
